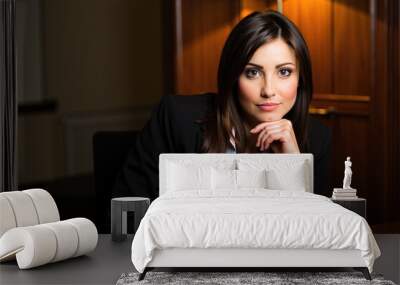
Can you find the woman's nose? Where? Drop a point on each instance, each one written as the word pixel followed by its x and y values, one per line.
pixel 267 89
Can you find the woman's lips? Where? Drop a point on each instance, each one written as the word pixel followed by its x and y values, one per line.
pixel 269 106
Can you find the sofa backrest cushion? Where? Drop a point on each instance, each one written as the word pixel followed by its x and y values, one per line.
pixel 26 208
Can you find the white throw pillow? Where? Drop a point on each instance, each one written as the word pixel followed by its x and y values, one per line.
pixel 228 179
pixel 184 178
pixel 281 174
pixel 223 179
pixel 251 178
pixel 290 179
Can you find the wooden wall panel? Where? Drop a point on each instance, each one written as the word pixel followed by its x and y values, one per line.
pixel 352 47
pixel 378 170
pixel 384 133
pixel 314 19
pixel 392 197
pixel 201 30
pixel 349 136
pixel 249 6
pixel 348 144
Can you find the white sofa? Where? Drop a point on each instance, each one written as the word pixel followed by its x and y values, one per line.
pixel 31 231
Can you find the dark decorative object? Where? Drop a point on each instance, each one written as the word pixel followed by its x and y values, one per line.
pixel 8 97
pixel 119 208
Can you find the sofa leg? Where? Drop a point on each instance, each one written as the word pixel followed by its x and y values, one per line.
pixel 142 275
pixel 364 271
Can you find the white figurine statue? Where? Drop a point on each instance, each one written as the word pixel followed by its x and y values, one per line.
pixel 347 174
pixel 347 192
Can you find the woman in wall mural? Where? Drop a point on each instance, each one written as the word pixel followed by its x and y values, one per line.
pixel 264 91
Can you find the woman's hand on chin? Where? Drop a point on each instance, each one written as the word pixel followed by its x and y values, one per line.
pixel 279 135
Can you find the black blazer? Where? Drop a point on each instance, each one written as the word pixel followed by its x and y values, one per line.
pixel 172 128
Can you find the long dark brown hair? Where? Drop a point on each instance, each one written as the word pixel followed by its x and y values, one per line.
pixel 226 113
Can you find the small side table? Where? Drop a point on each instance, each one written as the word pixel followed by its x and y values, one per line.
pixel 119 208
pixel 358 205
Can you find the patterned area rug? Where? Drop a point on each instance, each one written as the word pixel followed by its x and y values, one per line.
pixel 229 278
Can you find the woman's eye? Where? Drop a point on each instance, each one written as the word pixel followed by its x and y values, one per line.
pixel 252 73
pixel 285 72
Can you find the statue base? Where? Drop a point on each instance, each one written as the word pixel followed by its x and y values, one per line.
pixel 344 194
pixel 344 190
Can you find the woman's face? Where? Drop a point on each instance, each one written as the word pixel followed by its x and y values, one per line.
pixel 268 83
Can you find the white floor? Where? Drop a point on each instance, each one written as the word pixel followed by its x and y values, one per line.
pixel 388 263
